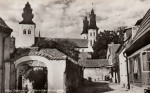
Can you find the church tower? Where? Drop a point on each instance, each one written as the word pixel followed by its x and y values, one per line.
pixel 27 28
pixel 93 29
pixel 84 33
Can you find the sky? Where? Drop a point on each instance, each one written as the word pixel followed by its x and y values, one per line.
pixel 64 18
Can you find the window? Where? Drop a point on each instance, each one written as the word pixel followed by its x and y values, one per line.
pixel 29 31
pixel 91 42
pixel 94 34
pixel 91 34
pixel 24 31
pixel 146 61
pixel 94 40
pixel 82 50
pixel 135 69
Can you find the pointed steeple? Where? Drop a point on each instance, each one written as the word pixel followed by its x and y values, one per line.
pixel 27 15
pixel 85 26
pixel 39 38
pixel 39 34
pixel 93 20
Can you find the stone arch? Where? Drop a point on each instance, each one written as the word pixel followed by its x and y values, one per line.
pixel 28 58
pixel 54 66
pixel 35 61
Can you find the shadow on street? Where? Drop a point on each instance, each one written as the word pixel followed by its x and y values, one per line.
pixel 94 87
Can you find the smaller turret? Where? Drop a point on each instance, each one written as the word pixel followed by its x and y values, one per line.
pixel 85 28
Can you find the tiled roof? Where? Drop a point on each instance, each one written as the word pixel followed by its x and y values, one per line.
pixel 93 63
pixel 3 24
pixel 139 22
pixel 144 25
pixel 50 54
pixel 141 35
pixel 4 27
pixel 81 43
pixel 53 52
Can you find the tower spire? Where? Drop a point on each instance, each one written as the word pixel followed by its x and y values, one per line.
pixel 27 15
pixel 93 20
pixel 85 25
pixel 39 38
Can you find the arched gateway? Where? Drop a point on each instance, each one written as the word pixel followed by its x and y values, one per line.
pixel 31 73
pixel 40 71
pixel 44 69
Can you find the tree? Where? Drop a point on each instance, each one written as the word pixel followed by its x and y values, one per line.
pixel 68 48
pixel 43 43
pixel 103 39
pixel 64 46
pixel 19 52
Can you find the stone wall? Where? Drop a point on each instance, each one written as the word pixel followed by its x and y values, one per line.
pixel 73 76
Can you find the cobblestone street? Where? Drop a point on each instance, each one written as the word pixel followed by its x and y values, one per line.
pixel 102 87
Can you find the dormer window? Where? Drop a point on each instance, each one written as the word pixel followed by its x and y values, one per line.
pixel 24 31
pixel 29 31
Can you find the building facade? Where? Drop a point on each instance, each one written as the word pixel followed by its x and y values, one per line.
pixel 129 34
pixel 95 70
pixel 113 64
pixel 5 44
pixel 137 53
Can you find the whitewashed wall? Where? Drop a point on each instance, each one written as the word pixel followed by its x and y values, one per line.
pixel 123 70
pixel 96 74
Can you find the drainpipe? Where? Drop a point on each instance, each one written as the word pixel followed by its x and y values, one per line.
pixel 127 70
pixel 3 64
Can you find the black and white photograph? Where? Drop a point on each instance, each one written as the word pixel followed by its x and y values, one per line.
pixel 74 46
